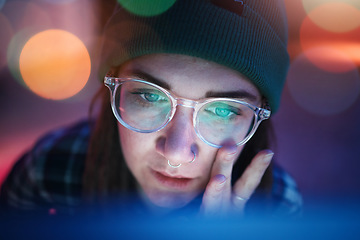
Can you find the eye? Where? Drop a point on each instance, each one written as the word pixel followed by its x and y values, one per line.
pixel 151 97
pixel 222 112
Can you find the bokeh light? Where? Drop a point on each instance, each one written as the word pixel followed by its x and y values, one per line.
pixel 6 33
pixel 55 64
pixel 146 8
pixel 322 92
pixel 309 5
pixel 336 16
pixel 26 19
pixel 14 50
pixel 345 44
pixel 330 59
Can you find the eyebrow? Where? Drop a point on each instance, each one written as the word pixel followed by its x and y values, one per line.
pixel 232 94
pixel 150 78
pixel 242 94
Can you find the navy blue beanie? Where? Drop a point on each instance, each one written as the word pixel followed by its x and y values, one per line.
pixel 249 36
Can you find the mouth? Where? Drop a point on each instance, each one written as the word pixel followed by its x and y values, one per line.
pixel 177 182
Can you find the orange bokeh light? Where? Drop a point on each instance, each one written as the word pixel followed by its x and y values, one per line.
pixel 336 17
pixel 55 64
pixel 337 48
pixel 319 91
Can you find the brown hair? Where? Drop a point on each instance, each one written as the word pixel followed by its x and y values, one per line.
pixel 106 172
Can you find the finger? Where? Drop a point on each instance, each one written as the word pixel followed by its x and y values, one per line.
pixel 250 179
pixel 217 196
pixel 213 196
pixel 224 161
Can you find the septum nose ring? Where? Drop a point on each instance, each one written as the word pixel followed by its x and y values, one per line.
pixel 176 166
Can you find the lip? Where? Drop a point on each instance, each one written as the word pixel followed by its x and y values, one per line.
pixel 176 182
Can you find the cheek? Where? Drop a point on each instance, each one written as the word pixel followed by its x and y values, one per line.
pixel 126 139
pixel 209 154
pixel 138 148
pixel 131 142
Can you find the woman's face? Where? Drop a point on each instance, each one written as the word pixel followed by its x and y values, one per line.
pixel 147 154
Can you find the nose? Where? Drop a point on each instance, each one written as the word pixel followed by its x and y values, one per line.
pixel 177 143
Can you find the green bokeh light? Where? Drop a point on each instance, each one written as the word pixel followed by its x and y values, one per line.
pixel 14 50
pixel 146 8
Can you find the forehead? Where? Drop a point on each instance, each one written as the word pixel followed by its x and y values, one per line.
pixel 188 76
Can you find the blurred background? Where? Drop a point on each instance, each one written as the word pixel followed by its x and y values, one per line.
pixel 317 126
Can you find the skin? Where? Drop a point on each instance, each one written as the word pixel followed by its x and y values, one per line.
pixel 147 155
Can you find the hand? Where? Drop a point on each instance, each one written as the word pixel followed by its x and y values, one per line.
pixel 220 198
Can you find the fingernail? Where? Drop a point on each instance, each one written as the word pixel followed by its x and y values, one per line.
pixel 268 156
pixel 231 152
pixel 220 179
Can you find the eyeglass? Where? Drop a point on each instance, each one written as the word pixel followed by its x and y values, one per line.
pixel 145 107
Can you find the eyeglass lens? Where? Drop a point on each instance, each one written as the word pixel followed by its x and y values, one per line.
pixel 146 108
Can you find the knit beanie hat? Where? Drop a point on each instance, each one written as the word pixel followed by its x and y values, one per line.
pixel 249 36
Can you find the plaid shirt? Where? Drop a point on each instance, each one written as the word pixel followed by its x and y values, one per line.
pixel 50 176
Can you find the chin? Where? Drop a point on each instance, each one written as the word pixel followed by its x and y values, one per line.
pixel 170 200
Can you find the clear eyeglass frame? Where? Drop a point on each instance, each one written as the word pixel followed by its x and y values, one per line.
pixel 260 113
